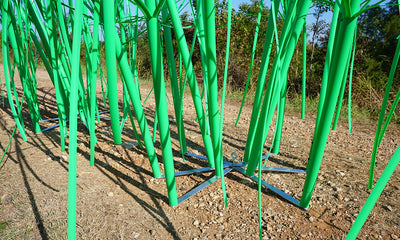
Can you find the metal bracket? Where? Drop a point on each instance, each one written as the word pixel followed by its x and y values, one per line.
pixel 228 167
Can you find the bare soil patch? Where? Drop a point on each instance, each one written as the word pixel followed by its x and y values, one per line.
pixel 119 199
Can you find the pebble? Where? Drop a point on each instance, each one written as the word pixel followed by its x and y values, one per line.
pixel 196 223
pixel 5 199
pixel 269 228
pixel 63 158
pixel 110 194
pixel 135 234
pixel 339 197
pixel 388 208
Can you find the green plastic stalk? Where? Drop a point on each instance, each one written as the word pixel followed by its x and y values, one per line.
pixel 93 81
pixel 351 82
pixel 76 48
pixel 328 59
pixel 109 27
pixel 261 80
pixel 221 123
pixel 343 45
pixel 276 87
pixel 213 105
pixel 253 53
pixel 174 82
pixel 156 52
pixel 279 119
pixel 380 131
pixel 303 85
pixel 180 36
pixel 5 22
pixel 374 195
pixel 137 105
pixel 57 83
pixel 341 95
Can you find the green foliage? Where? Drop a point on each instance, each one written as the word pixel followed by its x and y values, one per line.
pixel 244 22
pixel 143 55
pixel 378 29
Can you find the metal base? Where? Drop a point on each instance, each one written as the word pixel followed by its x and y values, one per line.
pixel 57 124
pixel 229 166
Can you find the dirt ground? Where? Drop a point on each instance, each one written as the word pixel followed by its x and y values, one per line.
pixel 119 199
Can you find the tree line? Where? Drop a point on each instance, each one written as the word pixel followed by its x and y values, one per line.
pixel 377 33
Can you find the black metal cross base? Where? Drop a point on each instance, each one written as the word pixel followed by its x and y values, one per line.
pixel 229 166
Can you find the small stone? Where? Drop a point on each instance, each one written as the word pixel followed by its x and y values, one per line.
pixel 5 199
pixel 220 220
pixel 394 236
pixel 311 219
pixel 388 208
pixel 196 223
pixel 110 194
pixel 269 227
pixel 63 158
pixel 339 197
pixel 135 235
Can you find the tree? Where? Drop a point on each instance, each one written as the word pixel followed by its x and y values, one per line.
pixel 244 22
pixel 317 28
pixel 378 30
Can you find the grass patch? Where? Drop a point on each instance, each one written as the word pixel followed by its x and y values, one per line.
pixel 357 113
pixel 293 104
pixel 3 225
